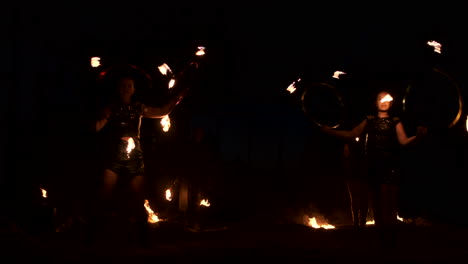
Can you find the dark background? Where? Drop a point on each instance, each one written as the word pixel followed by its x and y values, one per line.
pixel 271 155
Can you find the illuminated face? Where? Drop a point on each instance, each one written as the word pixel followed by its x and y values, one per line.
pixel 126 88
pixel 384 101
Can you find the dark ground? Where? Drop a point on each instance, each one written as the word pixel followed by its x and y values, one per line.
pixel 245 241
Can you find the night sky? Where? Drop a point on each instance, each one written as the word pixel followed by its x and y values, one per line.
pixel 240 95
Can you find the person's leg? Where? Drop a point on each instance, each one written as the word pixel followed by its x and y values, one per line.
pixel 138 211
pixel 363 203
pixel 354 199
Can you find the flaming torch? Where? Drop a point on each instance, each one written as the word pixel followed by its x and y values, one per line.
pixel 337 74
pixel 152 217
pixel 168 195
pixel 205 203
pixel 44 193
pixel 165 123
pixel 95 62
pixel 437 46
pixel 130 146
pixel 292 87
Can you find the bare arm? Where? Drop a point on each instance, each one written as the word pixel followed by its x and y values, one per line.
pixel 160 112
pixel 345 134
pixel 404 139
pixel 102 118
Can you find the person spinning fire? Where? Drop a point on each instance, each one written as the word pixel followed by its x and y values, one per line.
pixel 118 129
pixel 383 136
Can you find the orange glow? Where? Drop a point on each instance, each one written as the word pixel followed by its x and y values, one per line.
pixel 386 98
pixel 164 69
pixel 292 87
pixel 168 195
pixel 205 202
pixel 200 51
pixel 130 146
pixel 337 74
pixel 437 46
pixel 152 217
pixel 95 62
pixel 44 193
pixel 166 123
pixel 313 223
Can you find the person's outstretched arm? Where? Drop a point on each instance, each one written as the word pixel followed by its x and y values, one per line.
pixel 404 140
pixel 345 134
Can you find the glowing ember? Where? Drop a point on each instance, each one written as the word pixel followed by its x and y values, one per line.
pixel 201 51
pixel 164 69
pixel 171 83
pixel 292 87
pixel 166 123
pixel 130 146
pixel 152 217
pixel 95 62
pixel 337 74
pixel 44 193
pixel 313 223
pixel 386 98
pixel 437 46
pixel 205 202
pixel 168 195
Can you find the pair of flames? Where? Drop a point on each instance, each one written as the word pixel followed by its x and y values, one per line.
pixel 313 223
pixel 203 202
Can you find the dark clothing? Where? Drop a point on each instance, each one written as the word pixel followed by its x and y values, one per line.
pixel 124 121
pixel 382 150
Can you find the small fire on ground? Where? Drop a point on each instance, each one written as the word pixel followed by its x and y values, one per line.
pixel 152 216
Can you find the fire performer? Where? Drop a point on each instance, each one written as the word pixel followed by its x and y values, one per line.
pixel 118 125
pixel 383 136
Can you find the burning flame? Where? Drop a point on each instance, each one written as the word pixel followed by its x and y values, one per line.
pixel 466 123
pixel 313 223
pixel 171 83
pixel 44 193
pixel 166 123
pixel 168 195
pixel 292 87
pixel 386 98
pixel 357 139
pixel 95 62
pixel 372 222
pixel 337 74
pixel 437 46
pixel 130 146
pixel 164 69
pixel 152 217
pixel 205 202
pixel 201 51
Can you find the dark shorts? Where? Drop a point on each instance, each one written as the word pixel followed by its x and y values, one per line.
pixel 122 162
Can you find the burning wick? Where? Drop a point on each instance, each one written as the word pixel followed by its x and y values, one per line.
pixel 386 98
pixel 168 195
pixel 201 51
pixel 437 46
pixel 337 74
pixel 292 87
pixel 166 123
pixel 171 83
pixel 130 146
pixel 95 62
pixel 313 223
pixel 205 202
pixel 44 193
pixel 164 69
pixel 152 217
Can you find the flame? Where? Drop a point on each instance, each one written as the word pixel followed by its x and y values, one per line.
pixel 357 139
pixel 386 98
pixel 313 223
pixel 466 123
pixel 168 195
pixel 44 193
pixel 164 69
pixel 437 46
pixel 166 123
pixel 337 74
pixel 152 217
pixel 171 83
pixel 205 202
pixel 372 222
pixel 292 87
pixel 200 51
pixel 130 146
pixel 95 62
